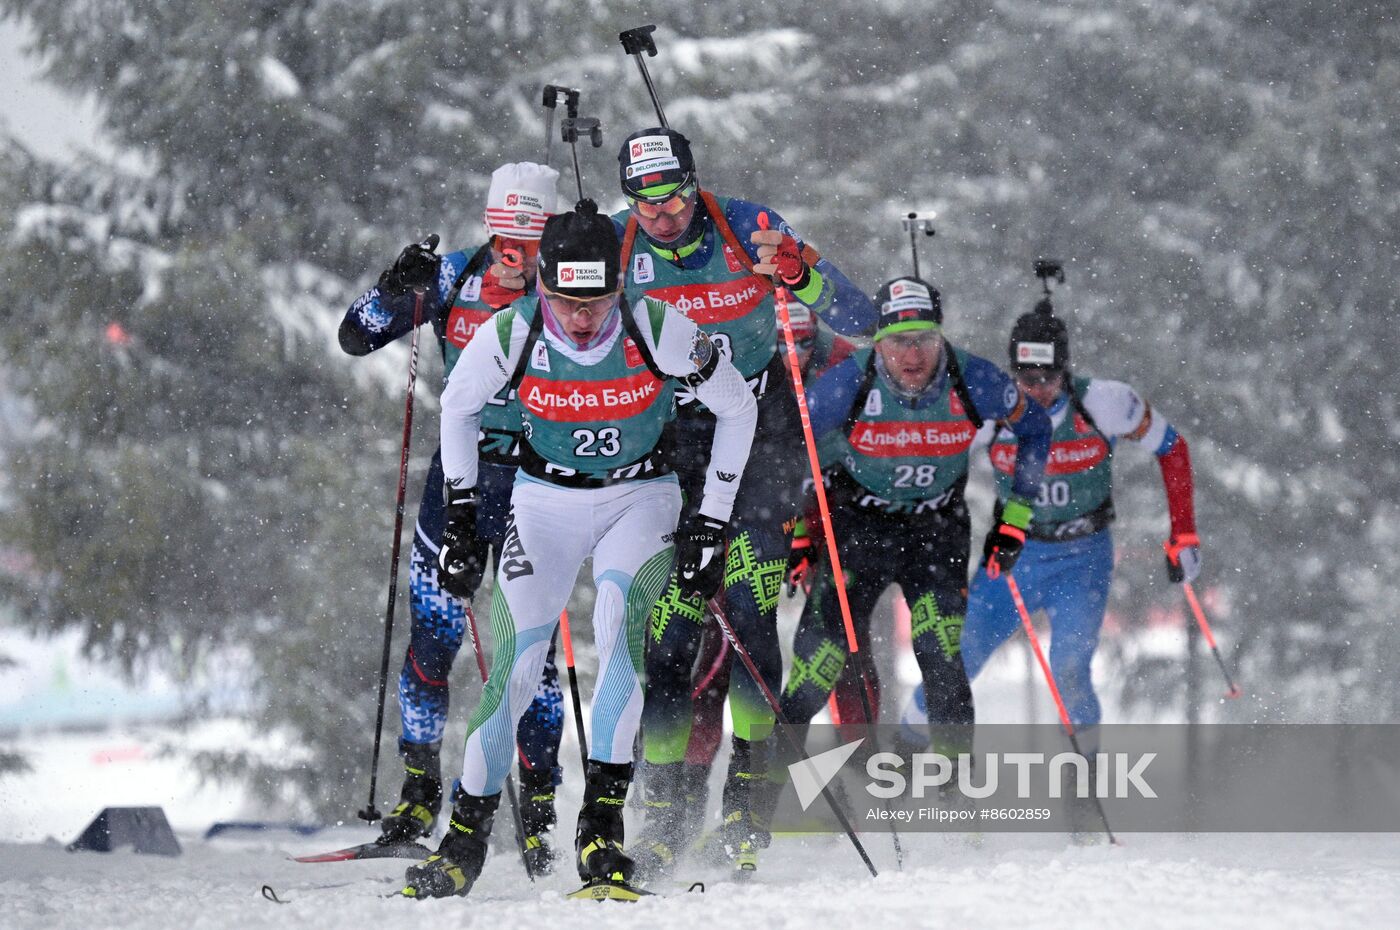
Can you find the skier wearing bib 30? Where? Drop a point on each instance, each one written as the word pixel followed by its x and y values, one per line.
pixel 596 382
pixel 896 424
pixel 462 289
pixel 712 259
pixel 1067 565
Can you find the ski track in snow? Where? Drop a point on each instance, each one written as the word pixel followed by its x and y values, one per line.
pixel 1011 880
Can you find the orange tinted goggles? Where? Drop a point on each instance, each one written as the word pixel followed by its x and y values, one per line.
pixel 672 207
pixel 527 247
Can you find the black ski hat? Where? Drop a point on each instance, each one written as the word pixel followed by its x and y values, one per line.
pixel 580 255
pixel 653 164
pixel 907 304
pixel 1039 339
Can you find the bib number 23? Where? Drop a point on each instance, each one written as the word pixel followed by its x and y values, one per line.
pixel 604 442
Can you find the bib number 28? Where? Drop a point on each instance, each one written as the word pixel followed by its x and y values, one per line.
pixel 604 442
pixel 910 476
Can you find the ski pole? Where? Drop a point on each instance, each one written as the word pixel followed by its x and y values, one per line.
pixel 1054 691
pixel 573 688
pixel 793 742
pixel 370 814
pixel 1234 691
pixel 634 43
pixel 814 463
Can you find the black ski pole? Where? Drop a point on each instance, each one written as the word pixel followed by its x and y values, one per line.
pixel 916 224
pixel 634 43
pixel 371 813
pixel 571 129
pixel 786 728
pixel 511 795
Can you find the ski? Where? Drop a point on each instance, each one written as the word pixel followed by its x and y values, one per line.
pixel 270 894
pixel 599 890
pixel 602 890
pixel 375 850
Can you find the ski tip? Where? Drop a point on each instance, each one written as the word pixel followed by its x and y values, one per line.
pixel 414 851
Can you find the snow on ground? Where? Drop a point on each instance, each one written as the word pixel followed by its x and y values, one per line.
pixel 1017 881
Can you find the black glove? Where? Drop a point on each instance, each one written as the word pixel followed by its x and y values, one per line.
pixel 1003 545
pixel 416 266
pixel 461 561
pixel 700 556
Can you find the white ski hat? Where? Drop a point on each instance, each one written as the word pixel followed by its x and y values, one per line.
pixel 521 198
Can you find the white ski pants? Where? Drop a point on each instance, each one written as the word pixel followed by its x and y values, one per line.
pixel 628 529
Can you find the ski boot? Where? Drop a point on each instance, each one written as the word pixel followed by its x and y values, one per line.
pixel 537 816
pixel 746 806
pixel 455 867
pixel 421 797
pixel 1086 826
pixel 667 812
pixel 605 869
pixel 697 799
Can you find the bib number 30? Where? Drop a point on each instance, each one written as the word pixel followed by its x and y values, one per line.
pixel 604 442
pixel 1053 494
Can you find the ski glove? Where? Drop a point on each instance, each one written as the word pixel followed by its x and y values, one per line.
pixel 1003 545
pixel 416 267
pixel 700 556
pixel 779 255
pixel 800 562
pixel 502 285
pixel 461 562
pixel 1183 557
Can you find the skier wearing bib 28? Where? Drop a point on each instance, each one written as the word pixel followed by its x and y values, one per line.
pixel 596 381
pixel 462 289
pixel 1067 565
pixel 895 426
pixel 716 259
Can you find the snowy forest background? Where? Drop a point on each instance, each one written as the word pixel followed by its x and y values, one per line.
pixel 195 477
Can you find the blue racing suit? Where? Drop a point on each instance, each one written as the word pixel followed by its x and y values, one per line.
pixel 438 620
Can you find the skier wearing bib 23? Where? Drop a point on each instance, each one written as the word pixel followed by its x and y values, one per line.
pixel 896 424
pixel 461 290
pixel 1067 565
pixel 596 382
pixel 716 260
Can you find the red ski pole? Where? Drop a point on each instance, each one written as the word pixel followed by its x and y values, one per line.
pixel 814 463
pixel 1191 598
pixel 573 688
pixel 1054 690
